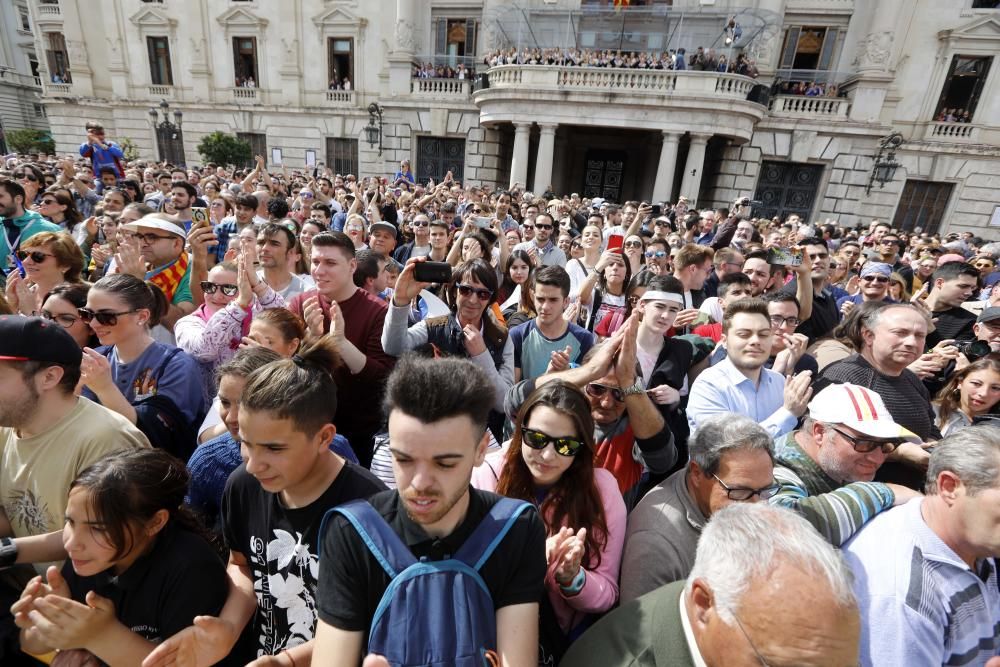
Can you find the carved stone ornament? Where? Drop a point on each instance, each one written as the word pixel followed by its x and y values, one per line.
pixel 404 35
pixel 874 50
pixel 77 52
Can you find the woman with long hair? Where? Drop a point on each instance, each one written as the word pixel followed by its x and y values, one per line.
pixel 48 258
pixel 140 566
pixel 57 206
pixel 897 288
pixel 634 249
pixel 971 392
pixel 603 292
pixel 155 386
pixel 549 461
pixel 515 274
pixel 63 305
pixel 591 240
pixel 612 321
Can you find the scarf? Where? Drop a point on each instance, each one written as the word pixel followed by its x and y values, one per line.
pixel 169 277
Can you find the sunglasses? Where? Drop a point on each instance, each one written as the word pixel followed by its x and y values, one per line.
pixel 650 254
pixel 208 287
pixel 877 279
pixel 481 293
pixel 37 256
pixel 420 223
pixel 26 176
pixel 633 244
pixel 863 446
pixel 542 226
pixel 48 202
pixel 102 317
pixel 538 440
pixel 64 320
pixel 306 195
pixel 599 390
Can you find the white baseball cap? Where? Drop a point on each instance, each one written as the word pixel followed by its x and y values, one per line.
pixel 860 409
pixel 154 221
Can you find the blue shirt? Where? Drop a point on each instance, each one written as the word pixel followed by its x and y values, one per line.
pixel 532 349
pixel 723 388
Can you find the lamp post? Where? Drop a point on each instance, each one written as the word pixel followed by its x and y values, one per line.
pixel 885 166
pixel 169 137
pixel 373 132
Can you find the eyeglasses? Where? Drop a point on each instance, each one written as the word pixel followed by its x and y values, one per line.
pixel 862 446
pixel 633 244
pixel 420 223
pixel 599 390
pixel 150 239
pixel 742 495
pixel 65 320
pixel 778 321
pixel 37 256
pixel 48 202
pixel 26 176
pixel 481 293
pixel 306 195
pixel 659 254
pixel 877 279
pixel 208 287
pixel 542 226
pixel 102 317
pixel 538 440
pixel 753 647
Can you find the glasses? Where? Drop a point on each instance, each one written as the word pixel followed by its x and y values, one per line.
pixel 778 321
pixel 65 320
pixel 659 254
pixel 420 223
pixel 23 175
pixel 753 647
pixel 208 287
pixel 633 244
pixel 538 440
pixel 862 446
pixel 877 279
pixel 741 495
pixel 48 202
pixel 37 256
pixel 599 390
pixel 150 239
pixel 542 226
pixel 634 299
pixel 306 195
pixel 102 317
pixel 481 293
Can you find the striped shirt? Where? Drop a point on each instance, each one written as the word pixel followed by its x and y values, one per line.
pixel 836 510
pixel 920 603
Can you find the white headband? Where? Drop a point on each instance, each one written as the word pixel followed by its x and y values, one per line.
pixel 662 296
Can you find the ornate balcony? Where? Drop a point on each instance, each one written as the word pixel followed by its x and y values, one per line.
pixel 161 92
pixel 965 133
pixel 242 95
pixel 440 88
pixel 708 102
pixel 813 108
pixel 340 97
pixel 58 89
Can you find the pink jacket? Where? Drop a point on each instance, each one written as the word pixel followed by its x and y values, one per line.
pixel 600 592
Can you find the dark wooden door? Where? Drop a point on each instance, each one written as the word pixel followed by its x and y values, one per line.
pixel 785 188
pixel 436 156
pixel 603 174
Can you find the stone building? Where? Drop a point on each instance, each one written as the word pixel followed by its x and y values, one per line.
pixel 20 86
pixel 274 73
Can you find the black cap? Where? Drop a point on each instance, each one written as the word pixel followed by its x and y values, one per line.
pixel 37 339
pixel 990 314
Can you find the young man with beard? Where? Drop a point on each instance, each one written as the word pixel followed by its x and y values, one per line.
pixel 274 242
pixel 437 418
pixel 545 252
pixel 17 223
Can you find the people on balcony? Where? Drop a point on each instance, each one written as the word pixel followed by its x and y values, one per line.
pixel 956 115
pixel 702 60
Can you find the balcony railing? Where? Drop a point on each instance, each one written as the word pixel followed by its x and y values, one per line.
pixel 340 97
pixel 799 106
pixel 47 9
pixel 58 89
pixel 158 92
pixel 952 132
pixel 243 95
pixel 450 88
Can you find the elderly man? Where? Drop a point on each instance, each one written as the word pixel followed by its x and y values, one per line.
pixel 874 287
pixel 731 461
pixel 826 468
pixel 765 589
pixel 892 337
pixel 161 259
pixel 924 573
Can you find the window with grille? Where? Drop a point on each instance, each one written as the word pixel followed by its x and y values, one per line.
pixel 342 155
pixel 922 205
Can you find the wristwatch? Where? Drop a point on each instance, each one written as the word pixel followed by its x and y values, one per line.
pixel 8 551
pixel 637 388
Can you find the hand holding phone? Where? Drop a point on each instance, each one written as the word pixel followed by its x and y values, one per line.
pixel 615 242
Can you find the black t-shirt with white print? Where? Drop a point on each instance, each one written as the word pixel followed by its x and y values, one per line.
pixel 280 546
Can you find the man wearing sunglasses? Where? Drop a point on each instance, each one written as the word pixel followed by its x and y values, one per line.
pixel 18 224
pixel 547 252
pixel 826 469
pixel 874 287
pixel 421 243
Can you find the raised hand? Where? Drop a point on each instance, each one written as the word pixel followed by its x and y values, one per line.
pixel 312 314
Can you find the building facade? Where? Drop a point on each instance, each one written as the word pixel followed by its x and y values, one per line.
pixel 296 80
pixel 20 85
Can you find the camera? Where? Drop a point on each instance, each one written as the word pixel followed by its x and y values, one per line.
pixel 974 349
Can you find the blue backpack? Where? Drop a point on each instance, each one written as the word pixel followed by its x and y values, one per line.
pixel 433 612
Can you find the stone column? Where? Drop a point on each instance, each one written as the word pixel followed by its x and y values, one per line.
pixel 519 162
pixel 693 167
pixel 404 43
pixel 664 184
pixel 543 162
pixel 875 58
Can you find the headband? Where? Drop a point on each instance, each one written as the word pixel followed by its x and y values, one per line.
pixel 662 296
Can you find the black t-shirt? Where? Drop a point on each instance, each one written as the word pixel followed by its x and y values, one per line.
pixel 352 582
pixel 280 547
pixel 953 323
pixel 825 315
pixel 163 590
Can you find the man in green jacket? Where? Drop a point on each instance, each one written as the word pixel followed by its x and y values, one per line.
pixel 18 224
pixel 735 608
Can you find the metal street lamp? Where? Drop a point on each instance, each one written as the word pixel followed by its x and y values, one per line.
pixel 373 132
pixel 884 169
pixel 169 137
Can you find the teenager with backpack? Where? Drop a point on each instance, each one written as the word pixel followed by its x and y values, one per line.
pixel 460 569
pixel 272 508
pixel 550 462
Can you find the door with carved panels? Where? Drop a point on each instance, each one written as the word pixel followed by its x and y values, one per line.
pixel 603 173
pixel 785 188
pixel 436 156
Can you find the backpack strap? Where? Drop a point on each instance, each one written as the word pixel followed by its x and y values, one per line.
pixel 378 536
pixel 490 532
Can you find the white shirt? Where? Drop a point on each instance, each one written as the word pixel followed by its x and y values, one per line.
pixel 689 634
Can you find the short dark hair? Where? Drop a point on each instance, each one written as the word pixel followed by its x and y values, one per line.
pixel 277 207
pixel 431 390
pixel 277 229
pixel 13 188
pixel 727 281
pixel 555 276
pixel 332 239
pixel 247 201
pixel 666 283
pixel 815 240
pixel 187 187
pixel 322 208
pixel 368 265
pixel 750 306
pixel 94 125
pixel 952 270
pixel 782 297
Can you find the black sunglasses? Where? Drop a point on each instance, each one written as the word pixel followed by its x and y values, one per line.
pixel 542 226
pixel 481 293
pixel 862 446
pixel 598 390
pixel 37 256
pixel 208 287
pixel 102 317
pixel 538 440
pixel 26 175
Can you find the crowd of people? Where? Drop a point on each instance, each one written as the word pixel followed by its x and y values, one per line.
pixel 701 59
pixel 953 115
pixel 807 89
pixel 432 71
pixel 273 417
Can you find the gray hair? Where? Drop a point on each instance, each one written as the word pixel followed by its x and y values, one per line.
pixel 724 433
pixel 991 249
pixel 747 541
pixel 873 316
pixel 972 454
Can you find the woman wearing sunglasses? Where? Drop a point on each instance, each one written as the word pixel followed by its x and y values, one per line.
pixel 549 461
pixel 57 206
pixel 213 332
pixel 157 387
pixel 48 258
pixel 634 249
pixel 63 305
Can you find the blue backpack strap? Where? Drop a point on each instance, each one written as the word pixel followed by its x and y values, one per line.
pixel 378 536
pixel 491 530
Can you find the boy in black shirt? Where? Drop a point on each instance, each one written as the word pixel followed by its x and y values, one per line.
pixel 271 513
pixel 437 417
